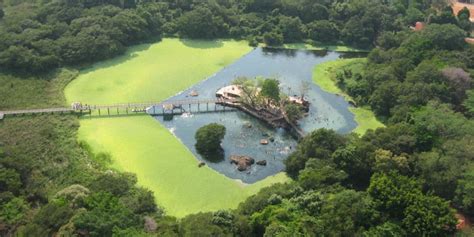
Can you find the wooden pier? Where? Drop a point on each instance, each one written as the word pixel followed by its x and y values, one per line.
pixel 153 108
pixel 165 108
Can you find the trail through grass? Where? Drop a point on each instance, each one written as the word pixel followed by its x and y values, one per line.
pixel 141 145
pixel 324 75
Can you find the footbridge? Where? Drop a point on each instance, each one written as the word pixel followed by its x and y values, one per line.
pixel 164 108
pixel 153 108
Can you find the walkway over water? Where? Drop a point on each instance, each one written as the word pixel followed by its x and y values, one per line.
pixel 156 108
pixel 160 109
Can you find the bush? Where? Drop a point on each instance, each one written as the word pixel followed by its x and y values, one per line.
pixel 273 38
pixel 208 139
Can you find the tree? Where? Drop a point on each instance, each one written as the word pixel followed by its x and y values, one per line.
pixel 74 194
pixel 386 161
pixel 249 90
pixel 393 193
pixel 323 31
pixel 209 138
pixel 116 184
pixel 429 216
pixel 319 144
pixel 291 28
pixel 202 224
pixel 314 12
pixel 387 229
pixel 465 191
pixel 140 201
pixel 469 102
pixel 413 15
pixel 273 38
pixel 356 161
pixel 346 212
pixel 459 82
pixel 464 14
pixel 294 112
pixel 104 212
pixel 446 16
pixel 384 98
pixel 53 215
pixel 2 13
pixel 201 23
pixel 9 180
pixel 319 174
pixel 271 90
pixel 13 211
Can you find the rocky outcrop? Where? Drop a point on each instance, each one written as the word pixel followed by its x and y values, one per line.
pixel 262 162
pixel 242 162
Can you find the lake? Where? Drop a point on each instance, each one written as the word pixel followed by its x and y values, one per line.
pixel 291 68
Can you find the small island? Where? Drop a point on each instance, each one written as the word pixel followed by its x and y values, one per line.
pixel 263 99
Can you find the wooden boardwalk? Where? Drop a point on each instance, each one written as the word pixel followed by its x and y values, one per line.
pixel 156 108
pixel 164 108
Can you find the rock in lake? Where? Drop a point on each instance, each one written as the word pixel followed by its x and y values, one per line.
pixel 262 162
pixel 242 162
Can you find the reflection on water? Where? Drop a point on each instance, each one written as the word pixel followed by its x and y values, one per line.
pixel 244 133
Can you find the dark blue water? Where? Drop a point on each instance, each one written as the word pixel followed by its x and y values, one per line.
pixel 290 67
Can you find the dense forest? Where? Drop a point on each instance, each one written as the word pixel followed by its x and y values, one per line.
pixel 39 37
pixel 407 179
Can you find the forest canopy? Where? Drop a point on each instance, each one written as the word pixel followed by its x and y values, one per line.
pixel 409 178
pixel 40 36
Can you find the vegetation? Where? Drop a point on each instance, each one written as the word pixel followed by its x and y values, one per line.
pixel 209 138
pixel 294 112
pixel 405 179
pixel 140 145
pixel 38 36
pixel 153 72
pixel 326 75
pixel 46 177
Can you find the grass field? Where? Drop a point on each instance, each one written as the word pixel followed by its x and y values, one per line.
pixel 324 76
pixel 141 145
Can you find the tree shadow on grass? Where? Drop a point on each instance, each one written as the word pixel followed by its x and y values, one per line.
pixel 202 44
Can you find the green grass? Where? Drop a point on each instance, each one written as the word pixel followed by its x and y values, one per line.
pixel 324 76
pixel 141 145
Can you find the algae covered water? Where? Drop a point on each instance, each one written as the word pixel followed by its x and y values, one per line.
pixel 291 68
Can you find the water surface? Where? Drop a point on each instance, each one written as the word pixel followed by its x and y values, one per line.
pixel 291 68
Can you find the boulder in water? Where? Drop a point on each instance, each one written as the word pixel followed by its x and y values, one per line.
pixel 242 162
pixel 262 162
